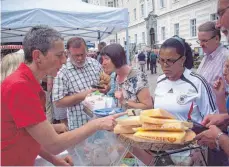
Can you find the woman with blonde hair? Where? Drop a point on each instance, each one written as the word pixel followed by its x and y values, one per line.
pixel 10 63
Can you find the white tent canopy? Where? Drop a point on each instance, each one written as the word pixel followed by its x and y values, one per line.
pixel 70 17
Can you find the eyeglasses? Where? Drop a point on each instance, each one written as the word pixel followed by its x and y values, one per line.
pixel 205 41
pixel 220 13
pixel 168 62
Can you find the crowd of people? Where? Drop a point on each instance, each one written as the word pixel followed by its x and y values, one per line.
pixel 43 88
pixel 146 59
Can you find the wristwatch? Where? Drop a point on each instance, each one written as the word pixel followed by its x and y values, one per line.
pixel 217 140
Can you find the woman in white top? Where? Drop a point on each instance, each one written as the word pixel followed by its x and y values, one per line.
pixel 181 91
pixel 178 88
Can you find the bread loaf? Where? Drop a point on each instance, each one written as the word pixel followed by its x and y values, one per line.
pixel 162 137
pixel 104 79
pixel 174 127
pixel 146 119
pixel 119 129
pixel 158 113
pixel 133 120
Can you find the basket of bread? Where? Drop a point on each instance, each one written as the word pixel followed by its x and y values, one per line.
pixel 154 129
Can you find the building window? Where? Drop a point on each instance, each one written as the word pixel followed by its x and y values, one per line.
pixel 135 14
pixel 135 38
pixel 110 4
pixel 142 10
pixel 116 3
pixel 162 3
pixel 193 27
pixel 143 37
pixel 213 17
pixel 163 33
pixel 176 29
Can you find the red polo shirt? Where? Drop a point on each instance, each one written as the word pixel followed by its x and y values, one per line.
pixel 22 106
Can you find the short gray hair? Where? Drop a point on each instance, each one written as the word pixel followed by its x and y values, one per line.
pixel 39 38
pixel 210 26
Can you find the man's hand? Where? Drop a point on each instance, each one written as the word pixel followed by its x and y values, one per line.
pixel 66 161
pixel 220 120
pixel 89 91
pixel 60 128
pixel 219 87
pixel 107 123
pixel 119 96
pixel 207 138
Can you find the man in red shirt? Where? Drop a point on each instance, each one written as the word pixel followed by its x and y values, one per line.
pixel 25 130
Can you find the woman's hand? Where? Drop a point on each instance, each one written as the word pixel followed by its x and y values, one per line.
pixel 220 120
pixel 119 96
pixel 219 87
pixel 207 138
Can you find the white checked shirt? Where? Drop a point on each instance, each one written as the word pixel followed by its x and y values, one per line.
pixel 71 80
pixel 211 67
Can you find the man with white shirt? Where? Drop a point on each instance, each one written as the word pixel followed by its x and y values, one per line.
pixel 74 80
pixel 214 137
pixel 211 66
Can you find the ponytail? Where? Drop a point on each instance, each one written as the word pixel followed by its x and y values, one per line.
pixel 189 59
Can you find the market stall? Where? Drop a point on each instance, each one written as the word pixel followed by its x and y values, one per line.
pixel 134 133
pixel 152 136
pixel 70 17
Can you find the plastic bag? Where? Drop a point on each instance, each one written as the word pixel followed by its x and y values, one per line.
pixel 95 102
pixel 100 149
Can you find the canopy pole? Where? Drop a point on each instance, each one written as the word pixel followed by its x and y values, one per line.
pixel 99 37
pixel 127 47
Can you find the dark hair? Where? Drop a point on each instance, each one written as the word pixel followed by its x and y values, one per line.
pixel 182 48
pixel 116 53
pixel 210 26
pixel 76 42
pixel 39 38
